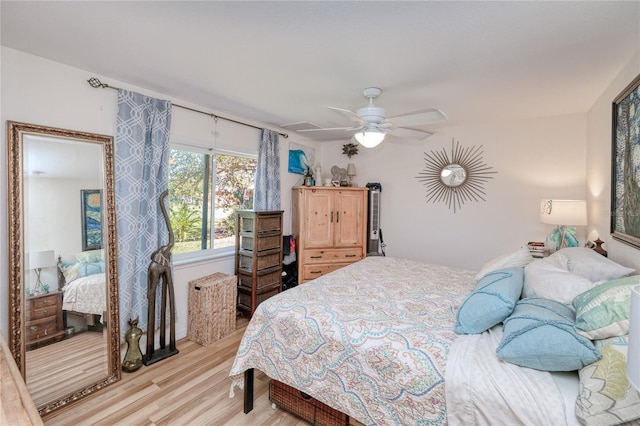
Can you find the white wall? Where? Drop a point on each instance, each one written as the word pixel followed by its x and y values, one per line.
pixel 534 159
pixel 39 91
pixel 599 167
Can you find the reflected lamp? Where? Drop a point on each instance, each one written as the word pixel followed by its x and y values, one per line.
pixel 36 261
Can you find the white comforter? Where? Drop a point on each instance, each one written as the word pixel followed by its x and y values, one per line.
pixel 86 295
pixel 482 390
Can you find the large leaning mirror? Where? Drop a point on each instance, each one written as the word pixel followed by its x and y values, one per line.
pixel 63 293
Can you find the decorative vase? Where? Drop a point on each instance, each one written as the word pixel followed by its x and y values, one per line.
pixel 133 357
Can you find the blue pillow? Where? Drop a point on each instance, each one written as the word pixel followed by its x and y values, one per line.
pixel 91 268
pixel 540 334
pixel 491 302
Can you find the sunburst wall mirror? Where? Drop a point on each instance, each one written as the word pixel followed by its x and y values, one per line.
pixel 458 179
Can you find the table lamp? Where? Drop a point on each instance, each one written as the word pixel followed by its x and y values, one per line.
pixel 37 260
pixel 564 214
pixel 351 172
pixel 633 350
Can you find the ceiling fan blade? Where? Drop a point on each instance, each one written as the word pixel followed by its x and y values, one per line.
pixel 403 132
pixel 331 128
pixel 429 116
pixel 349 114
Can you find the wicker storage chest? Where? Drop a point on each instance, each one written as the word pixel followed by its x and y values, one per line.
pixel 304 406
pixel 212 308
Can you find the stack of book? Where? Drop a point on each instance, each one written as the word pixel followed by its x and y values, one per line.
pixel 536 249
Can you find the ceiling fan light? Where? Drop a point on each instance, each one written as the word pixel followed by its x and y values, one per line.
pixel 369 138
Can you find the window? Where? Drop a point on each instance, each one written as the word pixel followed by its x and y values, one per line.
pixel 199 198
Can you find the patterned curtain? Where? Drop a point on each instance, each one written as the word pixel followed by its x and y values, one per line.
pixel 267 187
pixel 141 173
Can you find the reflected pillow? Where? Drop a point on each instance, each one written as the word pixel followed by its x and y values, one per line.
pixel 520 257
pixel 92 268
pixel 545 278
pixel 539 334
pixel 69 270
pixel 90 256
pixel 491 302
pixel 606 396
pixel 589 264
pixel 603 311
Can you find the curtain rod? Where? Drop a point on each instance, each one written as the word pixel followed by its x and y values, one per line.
pixel 97 84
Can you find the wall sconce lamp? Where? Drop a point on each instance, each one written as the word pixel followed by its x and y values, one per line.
pixel 565 214
pixel 36 261
pixel 633 350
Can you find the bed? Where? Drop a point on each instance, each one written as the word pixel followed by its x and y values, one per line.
pixel 377 341
pixel 83 282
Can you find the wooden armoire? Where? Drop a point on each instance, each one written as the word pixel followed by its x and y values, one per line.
pixel 329 224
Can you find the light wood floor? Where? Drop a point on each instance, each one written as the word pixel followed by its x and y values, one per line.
pixel 72 363
pixel 191 388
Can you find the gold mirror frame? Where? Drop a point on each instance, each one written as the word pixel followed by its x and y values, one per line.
pixel 474 173
pixel 17 303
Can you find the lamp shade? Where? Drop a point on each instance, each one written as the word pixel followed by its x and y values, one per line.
pixel 41 259
pixel 633 350
pixel 351 169
pixel 563 212
pixel 369 138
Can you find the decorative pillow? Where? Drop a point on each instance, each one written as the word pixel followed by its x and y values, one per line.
pixel 69 270
pixel 520 257
pixel 606 396
pixel 545 278
pixel 90 256
pixel 589 264
pixel 539 334
pixel 491 302
pixel 603 311
pixel 90 268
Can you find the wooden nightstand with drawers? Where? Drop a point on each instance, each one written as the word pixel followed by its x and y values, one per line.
pixel 44 319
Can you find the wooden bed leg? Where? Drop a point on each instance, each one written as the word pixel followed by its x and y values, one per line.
pixel 248 390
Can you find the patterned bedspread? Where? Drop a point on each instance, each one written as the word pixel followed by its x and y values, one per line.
pixel 370 339
pixel 86 295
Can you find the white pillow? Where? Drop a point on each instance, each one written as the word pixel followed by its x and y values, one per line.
pixel 545 278
pixel 520 257
pixel 589 264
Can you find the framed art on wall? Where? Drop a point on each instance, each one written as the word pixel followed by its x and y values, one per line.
pixel 625 166
pixel 301 158
pixel 91 218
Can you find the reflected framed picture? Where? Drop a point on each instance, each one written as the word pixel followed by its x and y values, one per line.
pixel 625 166
pixel 91 218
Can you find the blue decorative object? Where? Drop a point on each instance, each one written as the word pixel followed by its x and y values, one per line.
pixel 570 237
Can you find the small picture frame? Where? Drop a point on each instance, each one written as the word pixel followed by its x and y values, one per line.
pixel 91 218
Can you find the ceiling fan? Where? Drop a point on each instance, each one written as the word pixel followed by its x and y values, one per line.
pixel 371 125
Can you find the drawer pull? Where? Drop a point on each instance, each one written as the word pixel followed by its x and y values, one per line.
pixel 350 255
pixel 33 328
pixel 316 257
pixel 305 395
pixel 331 217
pixel 315 272
pixel 337 217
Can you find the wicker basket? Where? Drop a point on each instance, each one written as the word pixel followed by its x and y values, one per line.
pixel 212 308
pixel 304 406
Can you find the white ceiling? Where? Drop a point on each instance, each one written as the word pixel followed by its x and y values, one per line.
pixel 284 62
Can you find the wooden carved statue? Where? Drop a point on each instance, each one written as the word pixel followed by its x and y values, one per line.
pixel 160 274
